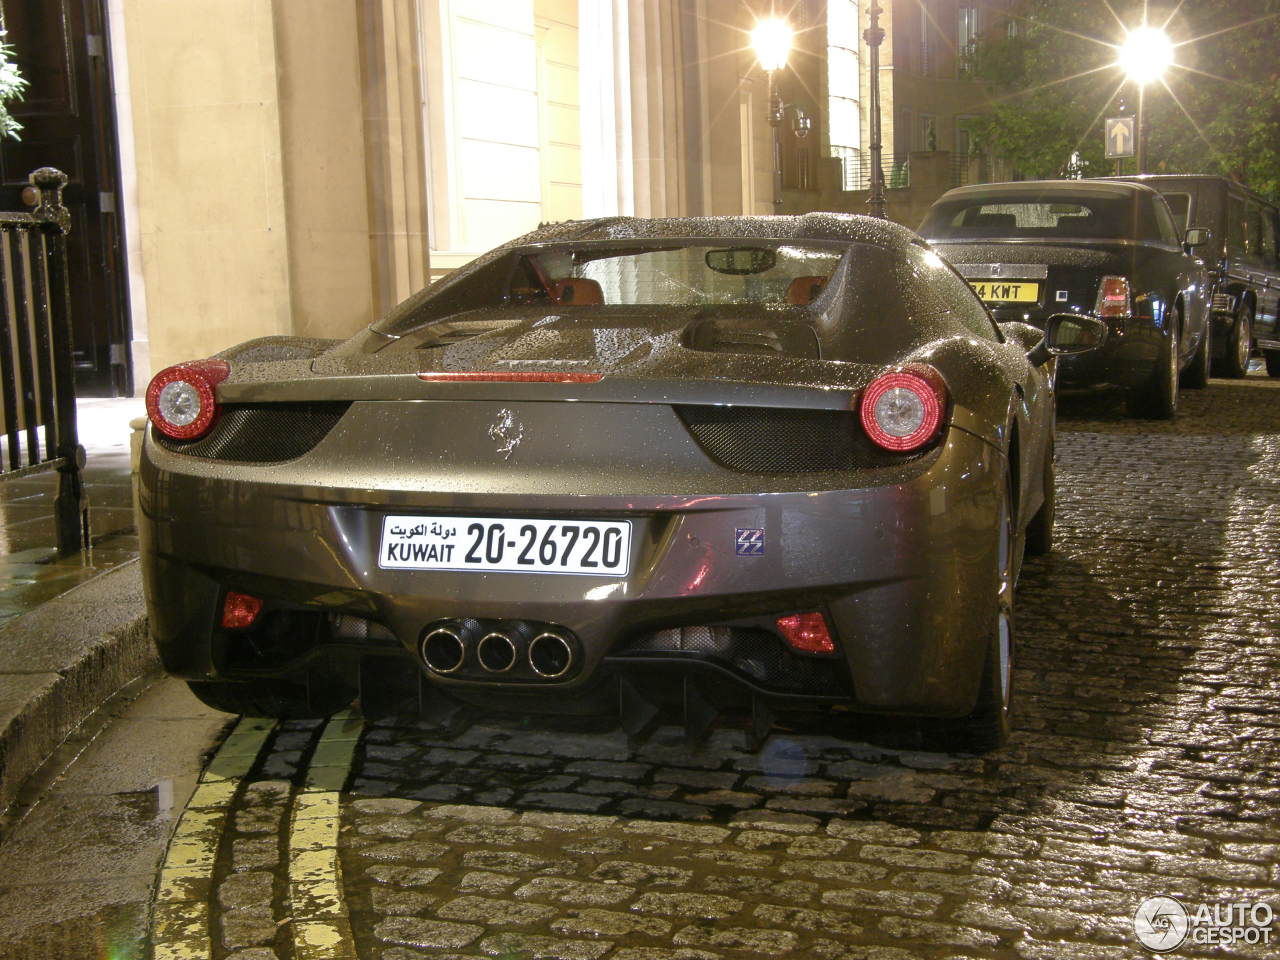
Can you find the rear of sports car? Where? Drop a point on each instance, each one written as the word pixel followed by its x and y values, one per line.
pixel 778 533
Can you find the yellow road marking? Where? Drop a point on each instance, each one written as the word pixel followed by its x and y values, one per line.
pixel 321 930
pixel 180 915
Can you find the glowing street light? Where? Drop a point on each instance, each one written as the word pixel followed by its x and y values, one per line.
pixel 1147 52
pixel 771 40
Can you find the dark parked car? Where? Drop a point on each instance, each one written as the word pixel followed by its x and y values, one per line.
pixel 771 463
pixel 1243 252
pixel 1109 249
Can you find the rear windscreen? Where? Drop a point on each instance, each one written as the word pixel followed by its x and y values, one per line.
pixel 1013 216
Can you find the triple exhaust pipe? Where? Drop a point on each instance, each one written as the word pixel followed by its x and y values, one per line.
pixel 514 649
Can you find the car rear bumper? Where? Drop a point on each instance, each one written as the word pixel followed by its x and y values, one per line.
pixel 902 565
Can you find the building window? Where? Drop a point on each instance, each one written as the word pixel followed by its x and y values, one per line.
pixel 844 115
pixel 926 38
pixel 928 132
pixel 966 48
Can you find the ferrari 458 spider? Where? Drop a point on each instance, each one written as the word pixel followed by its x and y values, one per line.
pixel 710 465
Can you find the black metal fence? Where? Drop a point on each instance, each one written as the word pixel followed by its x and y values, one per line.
pixel 37 382
pixel 855 169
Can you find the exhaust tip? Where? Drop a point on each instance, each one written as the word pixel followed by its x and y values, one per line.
pixel 550 655
pixel 443 650
pixel 496 652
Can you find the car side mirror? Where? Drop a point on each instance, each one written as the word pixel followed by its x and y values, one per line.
pixel 1196 237
pixel 1068 334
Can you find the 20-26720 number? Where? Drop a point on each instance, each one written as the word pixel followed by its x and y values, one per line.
pixel 599 547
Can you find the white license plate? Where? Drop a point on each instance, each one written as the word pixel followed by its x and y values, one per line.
pixel 586 547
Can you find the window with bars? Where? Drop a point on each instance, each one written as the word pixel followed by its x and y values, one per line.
pixel 967 45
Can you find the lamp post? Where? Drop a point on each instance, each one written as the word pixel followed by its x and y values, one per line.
pixel 771 40
pixel 874 36
pixel 1144 56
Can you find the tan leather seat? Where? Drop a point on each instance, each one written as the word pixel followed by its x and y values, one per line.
pixel 805 290
pixel 576 292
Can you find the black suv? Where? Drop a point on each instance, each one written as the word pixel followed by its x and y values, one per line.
pixel 1244 256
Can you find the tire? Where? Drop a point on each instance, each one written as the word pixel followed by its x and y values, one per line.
pixel 987 727
pixel 1196 376
pixel 1239 344
pixel 1273 363
pixel 282 699
pixel 1157 399
pixel 1040 529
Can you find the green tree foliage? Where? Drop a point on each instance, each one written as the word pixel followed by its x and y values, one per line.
pixel 12 85
pixel 1217 110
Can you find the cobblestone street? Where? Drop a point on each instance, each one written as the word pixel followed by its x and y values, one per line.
pixel 1145 762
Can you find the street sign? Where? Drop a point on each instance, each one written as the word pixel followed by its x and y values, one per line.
pixel 1119 137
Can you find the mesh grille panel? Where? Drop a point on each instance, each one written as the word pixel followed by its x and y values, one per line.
pixel 261 432
pixel 777 440
pixel 758 654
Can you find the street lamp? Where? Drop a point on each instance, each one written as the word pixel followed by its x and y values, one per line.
pixel 1144 56
pixel 771 40
pixel 874 36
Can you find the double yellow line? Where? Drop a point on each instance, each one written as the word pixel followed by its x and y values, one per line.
pixel 181 913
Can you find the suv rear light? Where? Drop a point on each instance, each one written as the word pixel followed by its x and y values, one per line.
pixel 181 401
pixel 903 409
pixel 807 632
pixel 1113 297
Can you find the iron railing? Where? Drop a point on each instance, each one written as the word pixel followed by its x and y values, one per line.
pixel 37 381
pixel 855 171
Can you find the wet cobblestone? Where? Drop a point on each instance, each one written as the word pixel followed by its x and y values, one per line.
pixel 1145 761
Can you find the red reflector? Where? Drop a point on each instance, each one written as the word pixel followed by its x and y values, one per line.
pixel 807 632
pixel 501 376
pixel 239 610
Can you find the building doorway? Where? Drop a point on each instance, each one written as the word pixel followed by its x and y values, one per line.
pixel 68 119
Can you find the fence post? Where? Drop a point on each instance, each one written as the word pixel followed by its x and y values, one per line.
pixel 69 507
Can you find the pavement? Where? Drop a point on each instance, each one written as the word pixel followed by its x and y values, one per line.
pixel 72 631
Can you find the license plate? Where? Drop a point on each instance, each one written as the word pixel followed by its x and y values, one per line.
pixel 506 545
pixel 1006 291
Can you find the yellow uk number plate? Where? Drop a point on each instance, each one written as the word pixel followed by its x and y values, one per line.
pixel 1006 291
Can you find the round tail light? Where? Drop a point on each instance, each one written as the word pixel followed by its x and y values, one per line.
pixel 181 401
pixel 902 410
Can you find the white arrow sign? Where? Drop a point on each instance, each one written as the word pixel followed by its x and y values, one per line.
pixel 1119 137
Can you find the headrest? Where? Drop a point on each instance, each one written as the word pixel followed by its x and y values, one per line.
pixel 805 290
pixel 576 292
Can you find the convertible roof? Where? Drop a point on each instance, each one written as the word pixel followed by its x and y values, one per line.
pixel 809 226
pixel 1097 189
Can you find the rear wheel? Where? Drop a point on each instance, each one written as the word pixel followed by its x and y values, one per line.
pixel 273 698
pixel 1196 376
pixel 1273 363
pixel 1157 399
pixel 1239 344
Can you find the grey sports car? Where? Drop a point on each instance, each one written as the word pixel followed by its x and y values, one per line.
pixel 734 465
